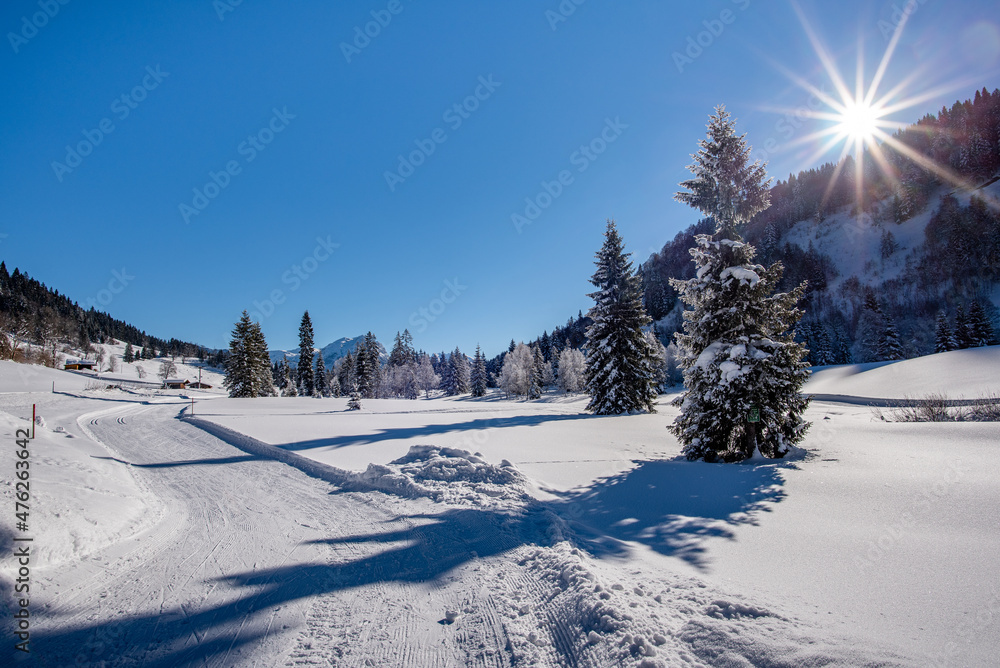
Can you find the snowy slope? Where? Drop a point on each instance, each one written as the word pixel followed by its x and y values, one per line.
pixel 379 537
pixel 959 374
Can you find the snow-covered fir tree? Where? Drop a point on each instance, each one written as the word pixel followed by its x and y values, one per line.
pixel 354 402
pixel 868 344
pixel 980 330
pixel 286 385
pixel 322 387
pixel 129 355
pixel 446 369
pixel 620 360
pixel 346 373
pixel 890 347
pixel 743 370
pixel 248 369
pixel 478 378
pixel 460 373
pixel 963 335
pixel 944 340
pixel 535 388
pixel 306 378
pixel 368 367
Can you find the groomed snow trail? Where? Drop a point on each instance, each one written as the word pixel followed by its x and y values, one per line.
pixel 244 547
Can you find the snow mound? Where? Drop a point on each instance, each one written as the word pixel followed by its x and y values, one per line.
pixel 448 475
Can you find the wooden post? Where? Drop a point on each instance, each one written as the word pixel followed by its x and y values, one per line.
pixel 33 421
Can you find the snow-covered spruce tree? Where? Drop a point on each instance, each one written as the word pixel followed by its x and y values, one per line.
pixel 963 335
pixel 478 376
pixel 129 356
pixel 738 353
pixel 460 372
pixel 248 369
pixel 537 360
pixel 307 382
pixel 620 362
pixel 944 340
pixel 889 347
pixel 354 403
pixel 980 330
pixel 368 367
pixel 346 373
pixel 321 386
pixel 286 384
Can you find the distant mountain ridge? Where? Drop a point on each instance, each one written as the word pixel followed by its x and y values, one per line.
pixel 330 352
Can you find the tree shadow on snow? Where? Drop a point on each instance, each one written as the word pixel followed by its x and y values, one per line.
pixel 187 635
pixel 431 430
pixel 672 506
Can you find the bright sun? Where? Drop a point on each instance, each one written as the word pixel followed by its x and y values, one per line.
pixel 859 121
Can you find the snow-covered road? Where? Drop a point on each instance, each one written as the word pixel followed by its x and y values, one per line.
pixel 228 574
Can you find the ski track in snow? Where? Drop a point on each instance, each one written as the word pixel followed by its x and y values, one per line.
pixel 247 561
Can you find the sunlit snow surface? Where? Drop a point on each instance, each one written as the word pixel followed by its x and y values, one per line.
pixel 492 532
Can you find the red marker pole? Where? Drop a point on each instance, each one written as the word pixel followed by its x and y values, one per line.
pixel 33 418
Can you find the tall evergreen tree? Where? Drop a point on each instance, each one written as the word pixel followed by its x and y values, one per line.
pixel 478 375
pixel 129 356
pixel 369 367
pixel 322 387
pixel 286 384
pixel 347 374
pixel 535 388
pixel 743 370
pixel 944 340
pixel 460 372
pixel 307 383
pixel 963 335
pixel 726 186
pixel 980 330
pixel 618 373
pixel 890 347
pixel 248 370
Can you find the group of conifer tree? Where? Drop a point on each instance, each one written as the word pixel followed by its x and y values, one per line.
pixel 743 370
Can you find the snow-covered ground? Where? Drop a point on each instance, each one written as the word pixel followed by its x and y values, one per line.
pixel 288 531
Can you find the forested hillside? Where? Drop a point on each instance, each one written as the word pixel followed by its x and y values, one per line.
pixel 904 262
pixel 31 312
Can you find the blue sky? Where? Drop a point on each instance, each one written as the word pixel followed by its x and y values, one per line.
pixel 286 122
